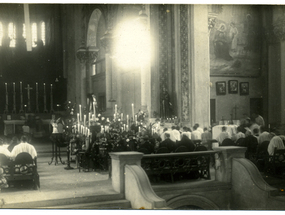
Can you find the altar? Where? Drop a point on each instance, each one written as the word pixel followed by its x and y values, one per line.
pixel 12 126
pixel 216 130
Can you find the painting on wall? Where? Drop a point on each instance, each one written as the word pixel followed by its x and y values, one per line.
pixel 233 86
pixel 221 88
pixel 235 41
pixel 244 88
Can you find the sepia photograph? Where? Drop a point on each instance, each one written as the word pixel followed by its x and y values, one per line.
pixel 164 107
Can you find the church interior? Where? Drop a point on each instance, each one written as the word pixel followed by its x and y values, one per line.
pixel 125 79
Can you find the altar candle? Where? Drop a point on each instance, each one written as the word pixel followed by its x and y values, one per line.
pixel 127 127
pixel 44 87
pixel 89 119
pixel 37 87
pixel 84 120
pixel 133 111
pixel 94 108
pixel 114 117
pixel 20 87
pixel 14 87
pixel 136 119
pixel 115 109
pixel 78 118
pixel 6 87
pixel 50 87
pixel 127 119
pixel 122 116
pixel 80 113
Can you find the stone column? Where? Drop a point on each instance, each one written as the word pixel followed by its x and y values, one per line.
pixel 200 60
pixel 82 56
pixel 119 160
pixel 145 67
pixel 279 31
pixel 106 42
pixel 92 56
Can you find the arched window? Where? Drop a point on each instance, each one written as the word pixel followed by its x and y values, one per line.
pixel 12 34
pixel 34 35
pixel 43 32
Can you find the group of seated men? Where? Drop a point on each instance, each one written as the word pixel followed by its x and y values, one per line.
pixel 16 147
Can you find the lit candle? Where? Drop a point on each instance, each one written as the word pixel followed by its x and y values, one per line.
pixel 84 123
pixel 133 111
pixel 37 87
pixel 20 87
pixel 14 87
pixel 114 117
pixel 89 119
pixel 115 109
pixel 51 87
pixel 122 116
pixel 78 118
pixel 44 87
pixel 80 113
pixel 94 109
pixel 127 119
pixel 6 87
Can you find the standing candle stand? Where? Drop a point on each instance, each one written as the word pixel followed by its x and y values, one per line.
pixel 6 105
pixel 22 103
pixel 68 167
pixel 14 99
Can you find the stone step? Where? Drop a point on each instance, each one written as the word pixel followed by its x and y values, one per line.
pixel 88 201
pixel 115 204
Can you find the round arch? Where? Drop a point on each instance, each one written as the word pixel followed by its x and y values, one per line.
pixel 192 202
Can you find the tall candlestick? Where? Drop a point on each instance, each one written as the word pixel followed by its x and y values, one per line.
pixel 133 111
pixel 89 119
pixel 94 109
pixel 6 87
pixel 80 113
pixel 14 87
pixel 84 120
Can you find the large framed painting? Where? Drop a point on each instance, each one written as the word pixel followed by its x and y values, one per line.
pixel 233 86
pixel 235 40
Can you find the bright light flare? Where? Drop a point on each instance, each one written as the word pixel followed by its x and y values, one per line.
pixel 132 44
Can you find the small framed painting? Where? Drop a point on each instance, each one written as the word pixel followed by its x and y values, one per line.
pixel 221 88
pixel 244 88
pixel 233 86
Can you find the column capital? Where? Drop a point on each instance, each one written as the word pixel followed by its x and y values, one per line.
pixel 92 53
pixel 81 54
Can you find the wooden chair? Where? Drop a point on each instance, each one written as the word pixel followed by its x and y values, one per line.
pixel 5 164
pixel 262 155
pixel 276 163
pixel 240 141
pixel 228 142
pixel 25 169
pixel 144 150
pixel 201 148
pixel 181 149
pixel 162 150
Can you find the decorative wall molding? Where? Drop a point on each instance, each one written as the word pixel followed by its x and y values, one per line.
pixel 184 40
